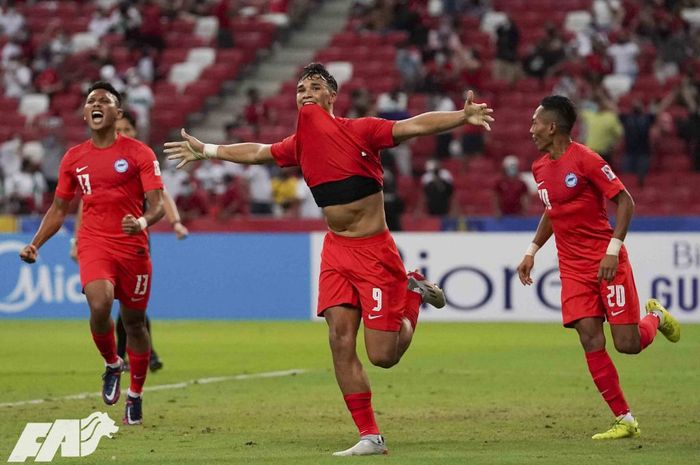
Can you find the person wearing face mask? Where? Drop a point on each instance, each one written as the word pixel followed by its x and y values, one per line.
pixel 511 191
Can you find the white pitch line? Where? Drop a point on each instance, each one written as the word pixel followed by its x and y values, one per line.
pixel 163 387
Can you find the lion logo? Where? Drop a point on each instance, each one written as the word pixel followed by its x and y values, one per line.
pixel 92 429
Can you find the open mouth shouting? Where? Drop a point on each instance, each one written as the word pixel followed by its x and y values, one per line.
pixel 97 116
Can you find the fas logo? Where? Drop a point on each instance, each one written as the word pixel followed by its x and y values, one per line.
pixel 75 438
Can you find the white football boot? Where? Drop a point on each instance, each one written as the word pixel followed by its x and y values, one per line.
pixel 372 444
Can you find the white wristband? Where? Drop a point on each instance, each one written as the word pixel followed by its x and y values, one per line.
pixel 210 150
pixel 614 247
pixel 532 249
pixel 142 223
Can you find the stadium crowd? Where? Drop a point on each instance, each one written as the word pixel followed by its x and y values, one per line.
pixel 632 68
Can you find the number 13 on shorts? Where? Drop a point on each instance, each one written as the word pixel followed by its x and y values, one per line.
pixel 141 284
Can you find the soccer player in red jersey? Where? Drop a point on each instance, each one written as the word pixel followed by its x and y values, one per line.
pixel 126 125
pixel 114 173
pixel 362 276
pixel 574 183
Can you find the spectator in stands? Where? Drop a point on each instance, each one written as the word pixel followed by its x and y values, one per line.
pixel 25 189
pixel 126 20
pixel 607 14
pixel 438 187
pixel 306 205
pixel 257 112
pixel 11 20
pixel 361 104
pixel 10 155
pixel 234 201
pixel 393 203
pixel 210 178
pixel 568 84
pixel 624 54
pixel 393 104
pixel 284 191
pixel 60 45
pixel 224 10
pixel 151 30
pixel 108 73
pixel 511 192
pixel 673 48
pixel 406 18
pixel 468 65
pixel 602 127
pixel 598 63
pixel 506 65
pixel 689 130
pixel 409 62
pixel 440 101
pixel 54 148
pixel 17 78
pixel 637 125
pixel 260 185
pixel 12 50
pixel 101 22
pixel 548 52
pixel 139 100
pixel 191 201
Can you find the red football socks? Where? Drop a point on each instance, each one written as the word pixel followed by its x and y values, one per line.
pixel 138 364
pixel 413 303
pixel 107 345
pixel 647 329
pixel 360 407
pixel 606 380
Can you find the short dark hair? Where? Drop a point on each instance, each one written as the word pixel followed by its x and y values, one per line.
pixel 564 111
pixel 317 69
pixel 109 88
pixel 129 116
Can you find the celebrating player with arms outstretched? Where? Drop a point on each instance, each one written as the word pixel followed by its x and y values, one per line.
pixel 114 173
pixel 596 276
pixel 362 275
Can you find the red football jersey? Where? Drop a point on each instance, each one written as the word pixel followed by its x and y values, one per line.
pixel 574 189
pixel 329 148
pixel 113 181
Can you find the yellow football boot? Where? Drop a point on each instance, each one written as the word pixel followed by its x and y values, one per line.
pixel 670 327
pixel 620 429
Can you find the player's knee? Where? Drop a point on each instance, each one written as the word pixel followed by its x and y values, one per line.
pixel 383 360
pixel 628 347
pixel 340 340
pixel 591 342
pixel 100 306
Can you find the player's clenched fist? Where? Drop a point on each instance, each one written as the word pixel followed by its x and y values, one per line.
pixel 133 225
pixel 29 253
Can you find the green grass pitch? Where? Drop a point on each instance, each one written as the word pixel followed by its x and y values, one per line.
pixel 463 394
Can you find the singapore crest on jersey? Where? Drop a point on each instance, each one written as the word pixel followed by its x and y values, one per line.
pixel 121 165
pixel 570 180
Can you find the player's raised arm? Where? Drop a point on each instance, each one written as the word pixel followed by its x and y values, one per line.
pixel 191 148
pixel 434 122
pixel 50 224
pixel 543 233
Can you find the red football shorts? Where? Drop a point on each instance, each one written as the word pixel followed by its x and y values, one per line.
pixel 617 301
pixel 131 277
pixel 365 273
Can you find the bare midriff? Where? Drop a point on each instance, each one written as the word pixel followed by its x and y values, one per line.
pixel 361 218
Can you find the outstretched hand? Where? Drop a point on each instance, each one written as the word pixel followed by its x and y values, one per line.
pixel 186 150
pixel 478 114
